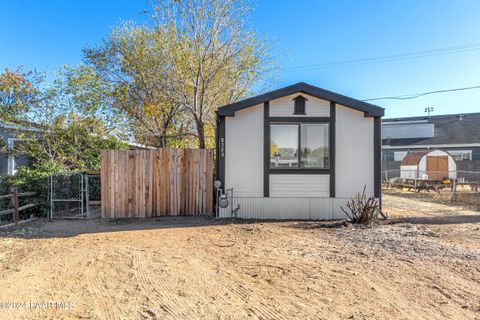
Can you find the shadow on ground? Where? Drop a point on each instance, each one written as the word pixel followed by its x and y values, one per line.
pixel 62 228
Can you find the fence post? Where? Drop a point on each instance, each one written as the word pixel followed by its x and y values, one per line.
pixel 15 215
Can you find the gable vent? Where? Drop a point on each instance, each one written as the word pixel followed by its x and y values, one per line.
pixel 299 105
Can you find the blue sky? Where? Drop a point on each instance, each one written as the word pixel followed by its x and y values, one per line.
pixel 47 34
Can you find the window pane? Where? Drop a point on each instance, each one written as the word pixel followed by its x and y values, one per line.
pixel 284 146
pixel 314 150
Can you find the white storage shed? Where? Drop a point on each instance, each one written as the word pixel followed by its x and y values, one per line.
pixel 428 165
pixel 299 152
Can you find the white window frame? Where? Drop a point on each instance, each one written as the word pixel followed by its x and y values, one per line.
pixel 461 153
pixel 11 163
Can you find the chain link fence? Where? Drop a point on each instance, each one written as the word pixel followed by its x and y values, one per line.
pixel 74 195
pixel 93 195
pixel 66 195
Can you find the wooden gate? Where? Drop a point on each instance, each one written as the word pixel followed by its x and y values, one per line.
pixel 153 183
pixel 437 167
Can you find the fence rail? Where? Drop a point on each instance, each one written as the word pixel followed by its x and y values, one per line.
pixel 152 183
pixel 461 176
pixel 16 208
pixel 428 180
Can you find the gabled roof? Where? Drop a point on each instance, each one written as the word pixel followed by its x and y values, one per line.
pixel 370 110
pixel 463 128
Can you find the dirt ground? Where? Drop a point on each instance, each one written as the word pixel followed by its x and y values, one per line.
pixel 423 264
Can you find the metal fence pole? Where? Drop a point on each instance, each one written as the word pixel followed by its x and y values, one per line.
pixel 87 196
pixel 81 194
pixel 51 196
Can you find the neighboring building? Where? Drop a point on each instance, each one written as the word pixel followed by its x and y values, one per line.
pixel 459 134
pixel 9 134
pixel 297 153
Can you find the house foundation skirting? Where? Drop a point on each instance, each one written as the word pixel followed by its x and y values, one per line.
pixel 285 208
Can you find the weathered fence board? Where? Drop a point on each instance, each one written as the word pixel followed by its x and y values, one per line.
pixel 153 183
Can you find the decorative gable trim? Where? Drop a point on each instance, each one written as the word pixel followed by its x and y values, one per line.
pixel 368 109
pixel 299 105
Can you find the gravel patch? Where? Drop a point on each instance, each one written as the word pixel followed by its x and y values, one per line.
pixel 407 240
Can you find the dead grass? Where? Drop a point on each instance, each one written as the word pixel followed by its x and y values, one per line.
pixel 423 265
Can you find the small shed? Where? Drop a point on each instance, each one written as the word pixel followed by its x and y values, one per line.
pixel 428 165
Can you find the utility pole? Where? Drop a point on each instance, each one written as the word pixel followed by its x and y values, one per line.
pixel 428 110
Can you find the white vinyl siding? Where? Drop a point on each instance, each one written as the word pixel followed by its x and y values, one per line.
pixel 287 208
pixel 285 107
pixel 408 172
pixel 299 185
pixel 244 152
pixel 353 153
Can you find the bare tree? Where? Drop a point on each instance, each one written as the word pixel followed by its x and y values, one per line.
pixel 214 58
pixel 134 60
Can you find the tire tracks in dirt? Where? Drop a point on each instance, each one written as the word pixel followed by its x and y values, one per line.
pixel 260 310
pixel 154 288
pixel 96 289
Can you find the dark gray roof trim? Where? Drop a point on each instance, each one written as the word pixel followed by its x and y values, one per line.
pixel 370 110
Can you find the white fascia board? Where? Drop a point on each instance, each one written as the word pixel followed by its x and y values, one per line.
pixel 139 145
pixel 17 127
pixel 429 146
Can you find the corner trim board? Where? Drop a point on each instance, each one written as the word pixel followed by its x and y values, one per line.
pixel 266 149
pixel 221 151
pixel 331 142
pixel 377 154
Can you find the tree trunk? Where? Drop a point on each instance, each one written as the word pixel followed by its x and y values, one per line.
pixel 201 134
pixel 162 141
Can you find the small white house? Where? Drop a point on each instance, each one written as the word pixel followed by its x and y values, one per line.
pixel 428 165
pixel 299 152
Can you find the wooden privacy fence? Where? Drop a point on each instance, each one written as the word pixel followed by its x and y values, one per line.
pixel 153 183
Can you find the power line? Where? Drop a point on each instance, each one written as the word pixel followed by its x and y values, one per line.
pixel 417 95
pixel 387 58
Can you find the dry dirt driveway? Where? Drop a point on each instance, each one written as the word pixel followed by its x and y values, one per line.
pixel 196 268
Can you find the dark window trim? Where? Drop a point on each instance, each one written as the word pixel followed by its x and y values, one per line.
pixel 332 146
pixel 299 171
pixel 299 153
pixel 300 119
pixel 266 149
pixel 315 171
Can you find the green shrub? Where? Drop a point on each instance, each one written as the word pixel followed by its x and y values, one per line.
pixel 34 179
